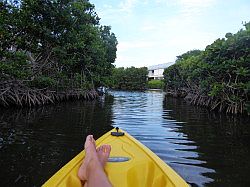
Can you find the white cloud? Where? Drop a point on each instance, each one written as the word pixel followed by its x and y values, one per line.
pixel 196 3
pixel 148 26
pixel 166 29
pixel 166 38
pixel 128 45
pixel 117 13
pixel 127 5
pixel 107 6
pixel 139 61
pixel 194 7
pixel 188 7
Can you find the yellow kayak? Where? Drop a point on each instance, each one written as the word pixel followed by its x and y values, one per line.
pixel 131 164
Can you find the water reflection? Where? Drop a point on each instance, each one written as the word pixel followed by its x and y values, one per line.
pixel 145 117
pixel 205 148
pixel 190 139
pixel 221 140
pixel 35 143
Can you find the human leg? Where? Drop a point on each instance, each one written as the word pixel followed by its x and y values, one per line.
pixel 92 168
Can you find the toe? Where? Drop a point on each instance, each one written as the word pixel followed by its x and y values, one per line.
pixel 107 149
pixel 98 149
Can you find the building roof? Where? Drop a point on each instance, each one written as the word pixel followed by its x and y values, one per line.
pixel 160 66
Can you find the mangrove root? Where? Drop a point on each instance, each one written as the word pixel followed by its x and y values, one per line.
pixel 17 93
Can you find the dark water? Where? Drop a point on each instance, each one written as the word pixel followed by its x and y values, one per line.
pixel 206 149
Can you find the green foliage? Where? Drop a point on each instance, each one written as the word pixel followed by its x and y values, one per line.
pixel 220 72
pixel 155 84
pixel 14 66
pixel 130 78
pixel 172 77
pixel 57 37
pixel 43 82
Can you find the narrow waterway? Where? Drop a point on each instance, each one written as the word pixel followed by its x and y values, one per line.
pixel 206 149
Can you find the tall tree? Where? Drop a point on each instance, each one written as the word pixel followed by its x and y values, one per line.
pixel 217 77
pixel 59 36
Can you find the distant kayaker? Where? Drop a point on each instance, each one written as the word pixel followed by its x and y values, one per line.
pixel 91 172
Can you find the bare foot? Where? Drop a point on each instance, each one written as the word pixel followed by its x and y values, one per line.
pixel 103 154
pixel 91 157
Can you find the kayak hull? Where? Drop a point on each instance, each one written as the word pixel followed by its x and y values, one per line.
pixel 131 164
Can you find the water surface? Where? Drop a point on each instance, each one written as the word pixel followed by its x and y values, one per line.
pixel 206 149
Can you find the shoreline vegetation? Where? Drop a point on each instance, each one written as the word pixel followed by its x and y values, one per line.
pixel 130 78
pixel 18 94
pixel 217 78
pixel 52 51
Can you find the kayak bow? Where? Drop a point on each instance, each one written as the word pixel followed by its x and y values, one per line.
pixel 130 164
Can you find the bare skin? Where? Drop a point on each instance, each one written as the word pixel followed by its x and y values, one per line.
pixel 103 154
pixel 92 169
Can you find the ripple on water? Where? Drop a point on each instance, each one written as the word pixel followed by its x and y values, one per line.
pixel 205 148
pixel 143 116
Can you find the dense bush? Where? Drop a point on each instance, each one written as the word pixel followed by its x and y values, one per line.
pixel 218 77
pixel 40 39
pixel 43 82
pixel 155 84
pixel 15 66
pixel 129 78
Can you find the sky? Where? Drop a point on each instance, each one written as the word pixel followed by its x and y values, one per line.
pixel 151 32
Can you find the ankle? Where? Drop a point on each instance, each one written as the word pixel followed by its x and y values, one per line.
pixel 94 164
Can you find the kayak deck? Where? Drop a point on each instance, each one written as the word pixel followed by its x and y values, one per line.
pixel 131 164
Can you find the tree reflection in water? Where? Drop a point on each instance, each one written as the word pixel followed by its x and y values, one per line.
pixel 36 142
pixel 221 141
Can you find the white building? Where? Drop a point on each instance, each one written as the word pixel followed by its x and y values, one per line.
pixel 156 72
